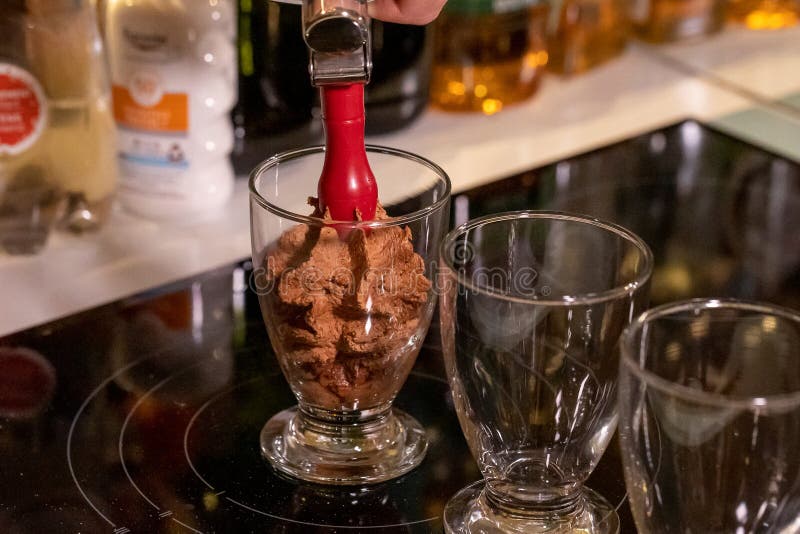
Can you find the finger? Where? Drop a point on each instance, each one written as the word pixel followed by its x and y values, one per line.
pixel 406 11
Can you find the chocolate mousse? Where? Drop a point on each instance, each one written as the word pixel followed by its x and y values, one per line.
pixel 345 310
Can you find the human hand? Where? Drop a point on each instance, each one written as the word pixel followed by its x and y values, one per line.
pixel 406 11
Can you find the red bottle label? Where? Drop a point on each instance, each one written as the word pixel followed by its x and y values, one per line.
pixel 23 109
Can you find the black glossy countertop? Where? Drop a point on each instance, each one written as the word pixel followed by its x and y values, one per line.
pixel 144 415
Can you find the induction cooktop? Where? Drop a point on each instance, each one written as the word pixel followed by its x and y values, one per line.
pixel 144 415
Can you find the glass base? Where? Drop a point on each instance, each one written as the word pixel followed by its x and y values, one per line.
pixel 83 215
pixel 350 449
pixel 470 512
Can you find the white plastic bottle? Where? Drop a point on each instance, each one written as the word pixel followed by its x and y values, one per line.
pixel 173 72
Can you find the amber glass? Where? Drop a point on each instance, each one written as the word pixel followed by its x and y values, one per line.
pixel 589 32
pixel 765 14
pixel 673 20
pixel 486 61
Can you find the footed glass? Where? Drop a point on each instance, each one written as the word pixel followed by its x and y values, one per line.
pixel 347 305
pixel 532 306
pixel 709 396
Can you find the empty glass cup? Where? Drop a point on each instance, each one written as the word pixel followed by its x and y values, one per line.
pixel 532 306
pixel 709 402
pixel 347 305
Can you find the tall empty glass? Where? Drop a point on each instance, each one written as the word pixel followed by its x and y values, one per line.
pixel 709 396
pixel 532 306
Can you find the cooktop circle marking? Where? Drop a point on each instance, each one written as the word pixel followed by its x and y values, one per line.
pixel 350 527
pixel 215 398
pixel 187 526
pixel 82 407
pixel 121 441
pixel 200 410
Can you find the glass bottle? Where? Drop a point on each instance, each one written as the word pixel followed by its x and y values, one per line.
pixel 173 74
pixel 586 34
pixel 57 136
pixel 65 49
pixel 488 54
pixel 276 99
pixel 277 103
pixel 673 20
pixel 765 14
pixel 29 197
pixel 399 88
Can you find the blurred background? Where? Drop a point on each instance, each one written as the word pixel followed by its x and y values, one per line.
pixel 127 127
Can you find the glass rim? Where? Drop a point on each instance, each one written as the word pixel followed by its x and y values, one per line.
pixel 567 300
pixel 293 154
pixel 629 352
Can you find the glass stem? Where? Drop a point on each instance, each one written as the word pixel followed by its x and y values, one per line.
pixel 550 508
pixel 356 433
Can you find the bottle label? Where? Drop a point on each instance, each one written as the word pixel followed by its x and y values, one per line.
pixel 172 91
pixel 639 11
pixel 477 7
pixel 23 110
pixel 154 128
pixel 143 105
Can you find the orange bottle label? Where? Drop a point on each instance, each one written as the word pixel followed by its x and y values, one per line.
pixel 145 107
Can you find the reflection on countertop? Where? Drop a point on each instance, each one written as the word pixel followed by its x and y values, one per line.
pixel 719 214
pixel 151 420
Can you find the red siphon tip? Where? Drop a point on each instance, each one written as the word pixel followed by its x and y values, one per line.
pixel 347 183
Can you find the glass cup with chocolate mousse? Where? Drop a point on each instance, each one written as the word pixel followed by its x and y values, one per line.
pixel 347 305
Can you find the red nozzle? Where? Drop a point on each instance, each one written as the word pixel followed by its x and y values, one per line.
pixel 347 183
